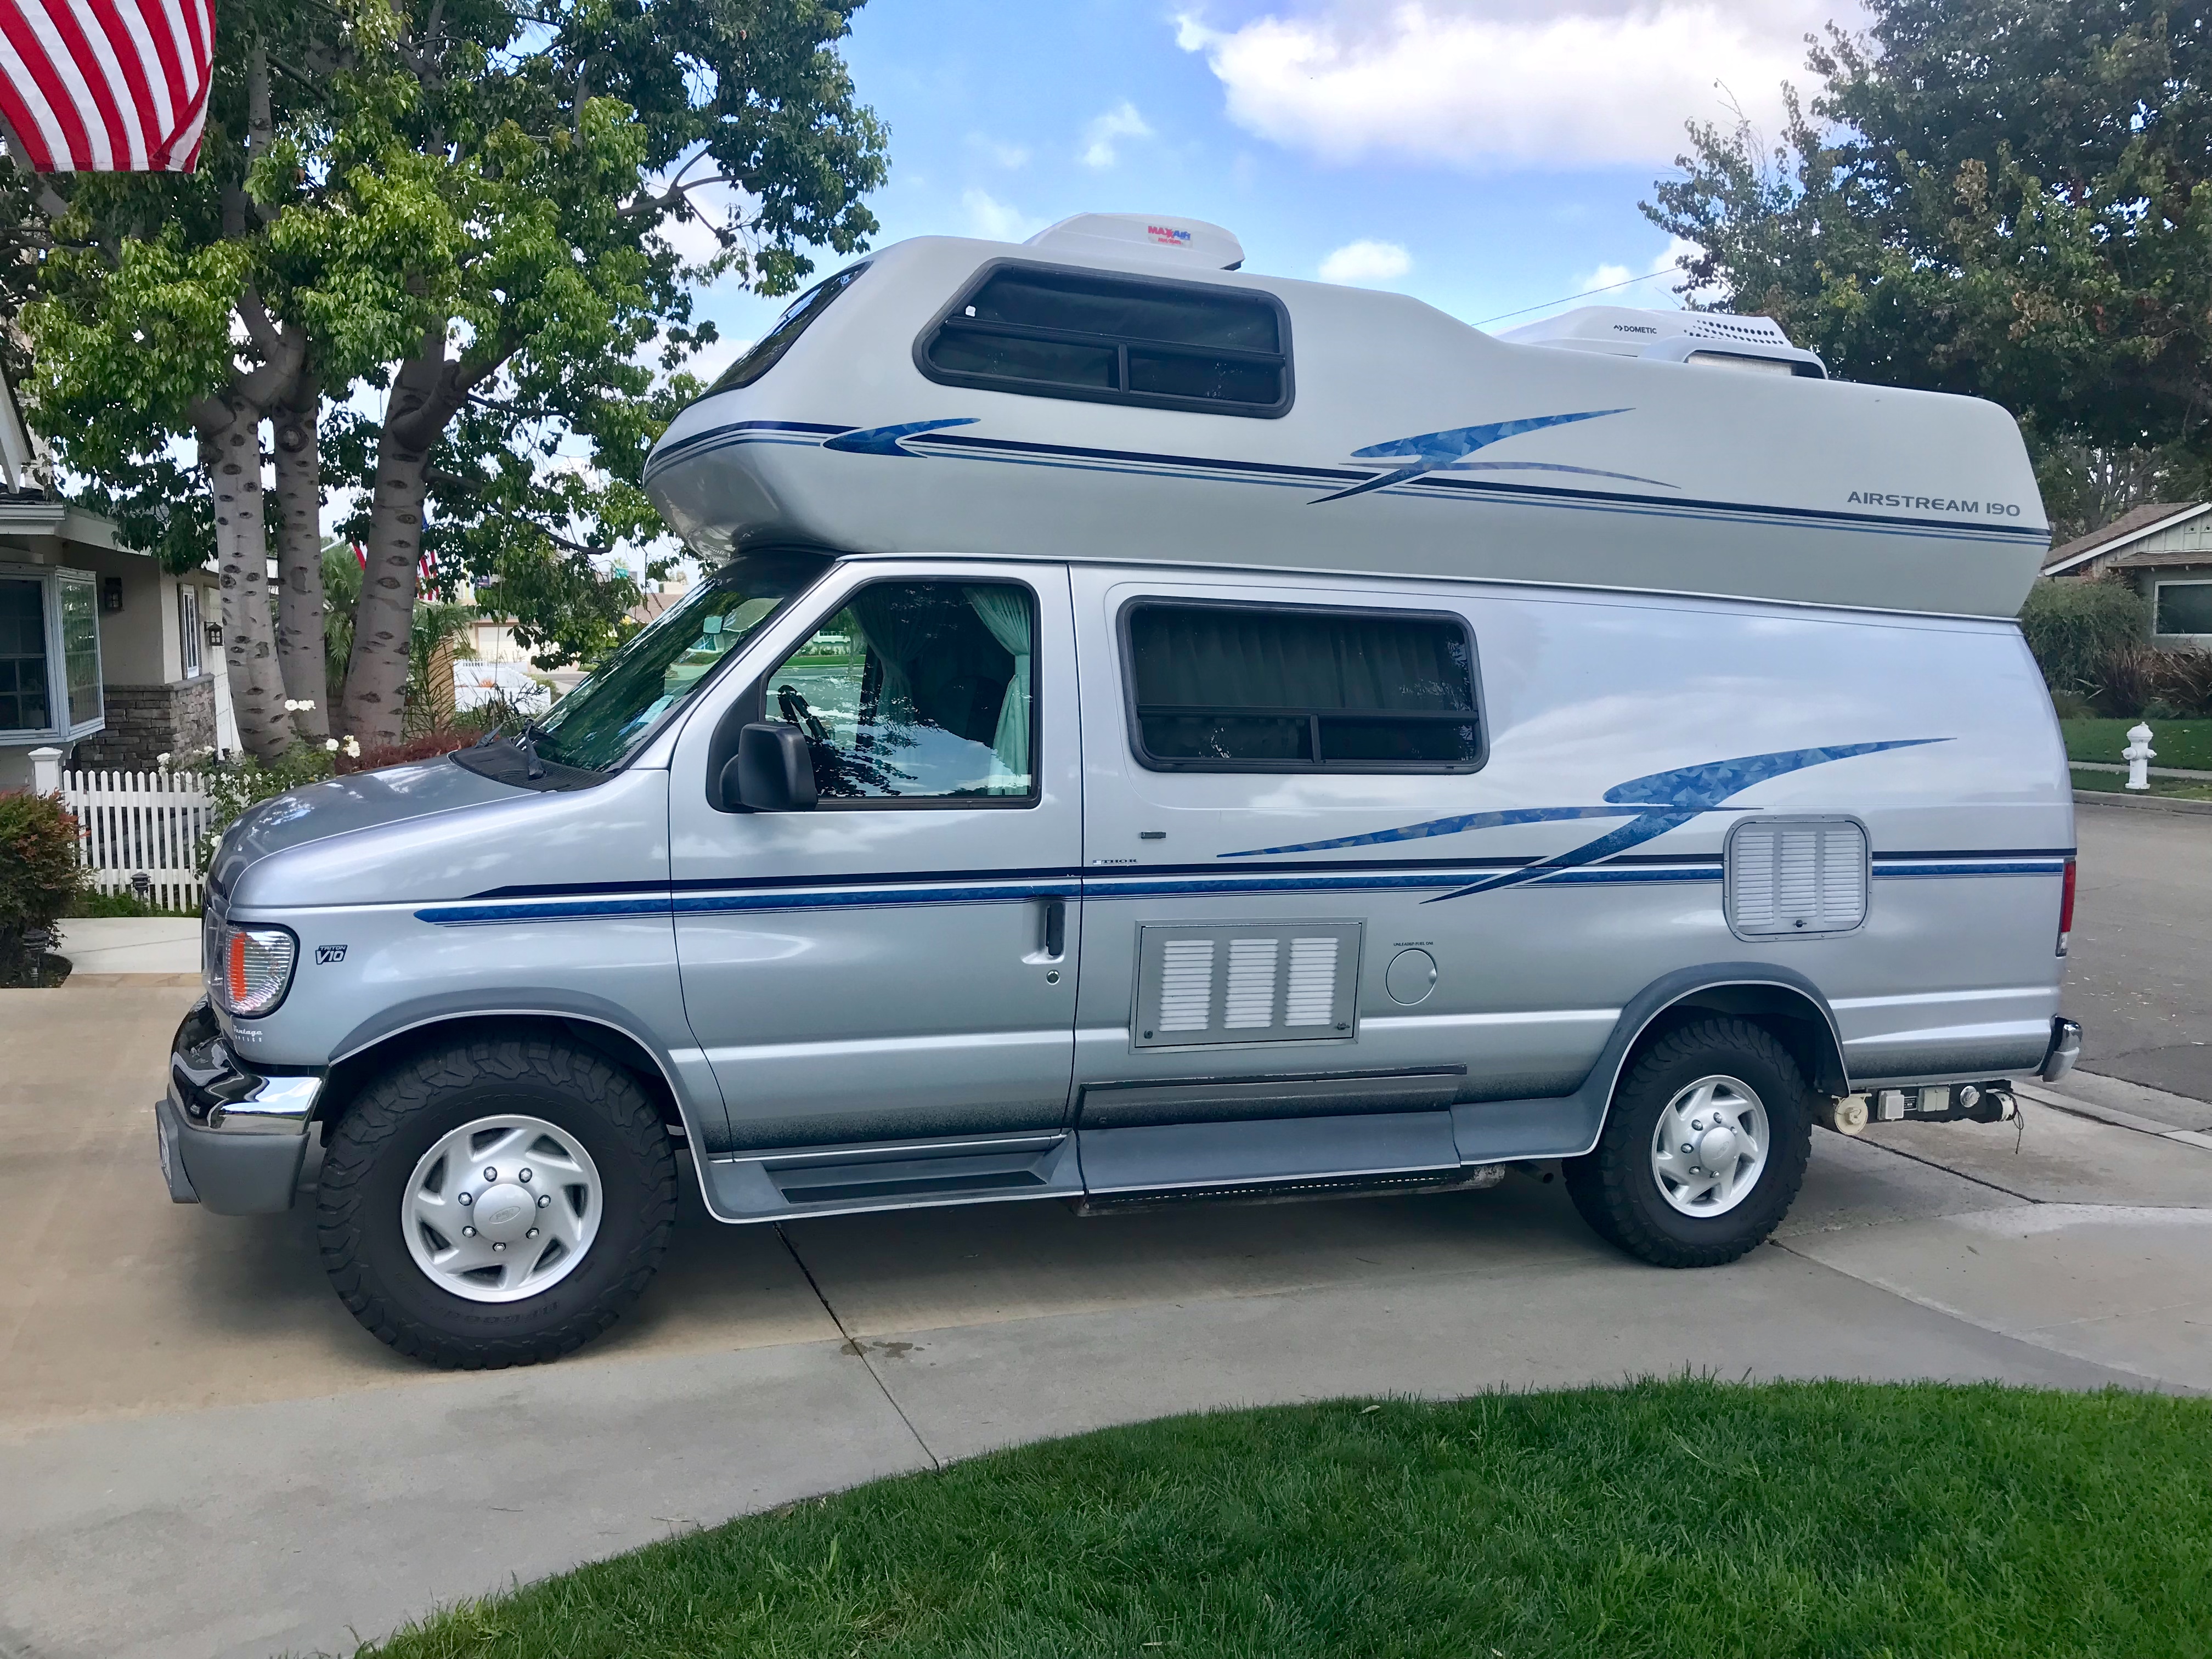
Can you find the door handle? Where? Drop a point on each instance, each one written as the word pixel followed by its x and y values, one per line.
pixel 1055 927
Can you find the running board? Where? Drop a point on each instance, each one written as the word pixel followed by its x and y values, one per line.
pixel 832 1181
pixel 1471 1178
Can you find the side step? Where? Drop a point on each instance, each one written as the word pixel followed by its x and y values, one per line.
pixel 1470 1178
pixel 829 1181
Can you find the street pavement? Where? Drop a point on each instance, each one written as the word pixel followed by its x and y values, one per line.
pixel 2136 975
pixel 204 1455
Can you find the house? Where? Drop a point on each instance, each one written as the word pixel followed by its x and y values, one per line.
pixel 103 654
pixel 2165 550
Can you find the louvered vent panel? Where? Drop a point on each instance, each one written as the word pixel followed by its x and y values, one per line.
pixel 1243 983
pixel 1796 877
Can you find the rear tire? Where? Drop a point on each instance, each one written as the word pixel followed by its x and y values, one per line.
pixel 1646 1197
pixel 605 1133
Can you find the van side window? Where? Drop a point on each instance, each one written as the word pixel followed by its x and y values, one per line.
pixel 918 692
pixel 1234 688
pixel 1051 333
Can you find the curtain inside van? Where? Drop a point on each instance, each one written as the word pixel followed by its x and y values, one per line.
pixel 1219 657
pixel 1005 612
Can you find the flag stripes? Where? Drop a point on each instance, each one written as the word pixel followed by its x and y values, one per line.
pixel 107 86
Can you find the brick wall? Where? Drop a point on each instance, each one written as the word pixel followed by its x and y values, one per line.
pixel 144 722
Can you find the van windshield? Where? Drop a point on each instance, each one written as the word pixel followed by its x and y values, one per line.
pixel 608 717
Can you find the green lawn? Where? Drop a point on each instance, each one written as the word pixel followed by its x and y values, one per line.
pixel 2117 783
pixel 2185 744
pixel 1663 1518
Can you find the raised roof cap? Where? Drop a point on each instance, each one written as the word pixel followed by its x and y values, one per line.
pixel 1191 243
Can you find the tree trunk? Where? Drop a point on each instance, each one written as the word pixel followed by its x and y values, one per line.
pixel 300 558
pixel 232 456
pixel 376 673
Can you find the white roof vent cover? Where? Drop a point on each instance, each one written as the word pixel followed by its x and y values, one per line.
pixel 1693 337
pixel 1191 243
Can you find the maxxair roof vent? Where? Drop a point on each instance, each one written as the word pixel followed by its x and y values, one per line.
pixel 1706 338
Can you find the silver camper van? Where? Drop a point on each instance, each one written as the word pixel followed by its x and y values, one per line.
pixel 1153 733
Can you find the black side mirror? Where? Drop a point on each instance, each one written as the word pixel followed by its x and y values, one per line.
pixel 773 771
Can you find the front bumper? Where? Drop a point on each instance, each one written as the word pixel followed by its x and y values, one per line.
pixel 231 1139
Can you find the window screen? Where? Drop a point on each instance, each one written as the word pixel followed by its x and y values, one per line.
pixel 1058 333
pixel 2185 608
pixel 23 682
pixel 1241 688
pixel 798 317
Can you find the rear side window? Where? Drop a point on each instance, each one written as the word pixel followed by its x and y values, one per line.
pixel 797 319
pixel 1051 333
pixel 1235 687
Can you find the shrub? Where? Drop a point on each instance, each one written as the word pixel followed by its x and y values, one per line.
pixel 39 875
pixel 2075 630
pixel 2185 681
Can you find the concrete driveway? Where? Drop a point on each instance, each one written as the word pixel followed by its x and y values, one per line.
pixel 203 1454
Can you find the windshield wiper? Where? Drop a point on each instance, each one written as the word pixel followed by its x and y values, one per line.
pixel 527 743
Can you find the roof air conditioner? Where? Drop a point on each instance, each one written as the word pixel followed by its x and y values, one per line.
pixel 1713 339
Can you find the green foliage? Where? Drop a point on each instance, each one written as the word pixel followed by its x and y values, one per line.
pixel 232 785
pixel 435 622
pixel 40 874
pixel 1676 1517
pixel 2073 626
pixel 99 902
pixel 2010 198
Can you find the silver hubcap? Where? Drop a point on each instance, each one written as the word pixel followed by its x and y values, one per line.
pixel 1710 1147
pixel 501 1208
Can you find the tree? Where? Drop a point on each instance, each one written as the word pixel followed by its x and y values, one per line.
pixel 504 185
pixel 2010 198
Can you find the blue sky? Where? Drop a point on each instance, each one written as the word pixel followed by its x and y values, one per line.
pixel 1485 156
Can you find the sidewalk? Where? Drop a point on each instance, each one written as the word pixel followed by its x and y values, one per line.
pixel 120 951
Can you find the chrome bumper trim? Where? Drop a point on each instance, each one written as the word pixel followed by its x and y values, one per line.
pixel 2065 1049
pixel 273 1106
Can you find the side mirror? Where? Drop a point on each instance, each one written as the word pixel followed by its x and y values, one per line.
pixel 773 771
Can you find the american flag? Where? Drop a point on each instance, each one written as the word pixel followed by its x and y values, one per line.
pixel 107 86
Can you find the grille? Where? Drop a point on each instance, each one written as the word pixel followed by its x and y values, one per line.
pixel 1796 877
pixel 1267 982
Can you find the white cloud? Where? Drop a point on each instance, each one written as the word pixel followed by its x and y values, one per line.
pixel 1366 262
pixel 1006 154
pixel 1102 136
pixel 994 221
pixel 1508 82
pixel 1653 282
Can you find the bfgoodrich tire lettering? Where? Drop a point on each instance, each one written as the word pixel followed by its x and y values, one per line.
pixel 1618 1192
pixel 376 1148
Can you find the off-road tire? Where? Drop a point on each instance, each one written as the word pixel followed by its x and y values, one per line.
pixel 1613 1185
pixel 371 1154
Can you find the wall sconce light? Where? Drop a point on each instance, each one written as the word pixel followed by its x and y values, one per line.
pixel 215 634
pixel 111 592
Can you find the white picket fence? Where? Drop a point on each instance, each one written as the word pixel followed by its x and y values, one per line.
pixel 135 823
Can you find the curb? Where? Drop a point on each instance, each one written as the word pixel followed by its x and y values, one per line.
pixel 2139 803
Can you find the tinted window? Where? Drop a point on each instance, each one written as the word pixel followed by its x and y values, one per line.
pixel 2185 608
pixel 798 317
pixel 1232 688
pixel 917 691
pixel 1058 333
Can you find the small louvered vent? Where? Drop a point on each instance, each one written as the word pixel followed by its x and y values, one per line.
pixel 1796 877
pixel 1265 983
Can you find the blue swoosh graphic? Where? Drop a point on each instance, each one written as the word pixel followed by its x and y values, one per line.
pixel 1433 450
pixel 1653 805
pixel 885 439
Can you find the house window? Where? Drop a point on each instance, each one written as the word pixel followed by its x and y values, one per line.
pixel 2183 607
pixel 188 629
pixel 1241 688
pixel 49 653
pixel 1048 332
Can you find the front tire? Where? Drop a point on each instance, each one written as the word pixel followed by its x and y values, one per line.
pixel 531 1138
pixel 1703 1151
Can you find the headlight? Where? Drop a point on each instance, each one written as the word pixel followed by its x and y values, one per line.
pixel 253 969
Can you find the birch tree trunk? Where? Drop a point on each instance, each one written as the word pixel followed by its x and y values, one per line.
pixel 376 673
pixel 231 455
pixel 299 649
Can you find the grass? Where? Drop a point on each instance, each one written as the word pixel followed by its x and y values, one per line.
pixel 95 901
pixel 2185 744
pixel 2117 783
pixel 1686 1516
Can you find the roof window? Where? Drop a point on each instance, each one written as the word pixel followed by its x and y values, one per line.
pixel 797 318
pixel 1048 332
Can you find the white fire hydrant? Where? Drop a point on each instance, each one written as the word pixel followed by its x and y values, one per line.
pixel 2138 755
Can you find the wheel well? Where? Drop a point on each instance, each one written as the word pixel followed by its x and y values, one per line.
pixel 1790 1017
pixel 615 1046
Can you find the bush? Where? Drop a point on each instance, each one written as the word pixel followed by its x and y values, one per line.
pixel 39 875
pixel 2075 630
